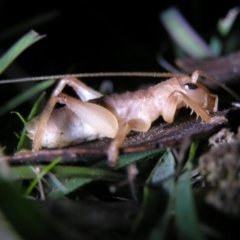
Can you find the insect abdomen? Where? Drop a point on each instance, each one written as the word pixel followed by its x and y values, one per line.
pixel 64 128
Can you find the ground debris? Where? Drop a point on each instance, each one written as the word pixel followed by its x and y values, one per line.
pixel 221 168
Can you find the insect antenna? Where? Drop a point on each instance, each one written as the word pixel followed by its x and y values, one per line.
pixel 222 85
pixel 118 74
pixel 89 75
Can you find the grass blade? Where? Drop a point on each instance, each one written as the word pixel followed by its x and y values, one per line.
pixel 131 158
pixel 30 23
pixel 23 142
pixel 157 204
pixel 124 160
pixel 186 215
pixel 225 24
pixel 42 173
pixel 184 35
pixel 28 219
pixel 23 43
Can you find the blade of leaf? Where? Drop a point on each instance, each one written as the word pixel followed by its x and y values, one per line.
pixel 30 221
pixel 27 172
pixel 88 172
pixel 216 45
pixel 186 216
pixel 67 185
pixel 127 159
pixel 192 152
pixel 85 175
pixel 184 35
pixel 224 25
pixel 42 173
pixel 30 23
pixel 158 200
pixel 23 43
pixel 124 160
pixel 20 117
pixel 23 142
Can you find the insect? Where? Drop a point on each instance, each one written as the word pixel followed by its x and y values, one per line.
pixel 95 116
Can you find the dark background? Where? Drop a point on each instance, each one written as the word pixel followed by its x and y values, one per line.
pixel 90 37
pixel 93 37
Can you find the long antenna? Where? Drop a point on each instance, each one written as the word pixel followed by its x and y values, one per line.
pixel 89 75
pixel 114 74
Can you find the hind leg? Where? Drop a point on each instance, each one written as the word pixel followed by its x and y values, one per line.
pixel 84 92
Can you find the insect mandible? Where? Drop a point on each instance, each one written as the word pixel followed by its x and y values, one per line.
pixel 95 116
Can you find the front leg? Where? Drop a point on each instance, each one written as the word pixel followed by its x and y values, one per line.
pixel 175 99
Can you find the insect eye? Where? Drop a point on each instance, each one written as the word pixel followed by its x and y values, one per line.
pixel 194 92
pixel 190 86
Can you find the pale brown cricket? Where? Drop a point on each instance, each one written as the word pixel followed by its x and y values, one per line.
pixel 114 116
